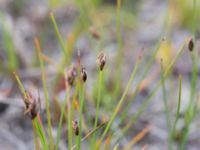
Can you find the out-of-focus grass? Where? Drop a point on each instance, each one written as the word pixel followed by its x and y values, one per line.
pixel 185 11
pixel 90 14
pixel 168 120
pixel 8 44
pixel 47 107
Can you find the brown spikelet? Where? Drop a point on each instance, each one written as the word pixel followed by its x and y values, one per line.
pixel 101 60
pixel 32 105
pixel 83 74
pixel 75 127
pixel 72 73
pixel 191 45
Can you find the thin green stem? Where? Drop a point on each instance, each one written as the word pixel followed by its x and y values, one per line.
pixel 121 100
pixel 100 80
pixel 178 108
pixel 119 56
pixel 61 121
pixel 119 36
pixel 166 105
pixel 38 48
pixel 36 124
pixel 81 96
pixel 69 118
pixel 41 133
pixel 149 98
pixel 190 113
pixel 81 100
pixel 59 37
pixel 35 136
pixel 98 98
pixel 146 70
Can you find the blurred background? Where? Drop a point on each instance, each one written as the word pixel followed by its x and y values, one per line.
pixel 124 32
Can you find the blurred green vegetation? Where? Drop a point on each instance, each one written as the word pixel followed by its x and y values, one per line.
pixel 109 93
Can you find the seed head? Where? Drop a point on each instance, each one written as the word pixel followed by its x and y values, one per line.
pixel 83 74
pixel 71 74
pixel 32 105
pixel 75 127
pixel 95 34
pixel 101 60
pixel 190 45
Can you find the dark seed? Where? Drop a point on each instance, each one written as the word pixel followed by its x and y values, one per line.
pixel 101 60
pixel 83 74
pixel 191 45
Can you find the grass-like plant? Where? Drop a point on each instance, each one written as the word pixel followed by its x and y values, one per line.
pixel 96 130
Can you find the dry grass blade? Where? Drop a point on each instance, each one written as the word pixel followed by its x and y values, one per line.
pixel 138 137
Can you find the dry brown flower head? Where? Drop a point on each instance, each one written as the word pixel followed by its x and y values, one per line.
pixel 75 127
pixel 32 105
pixel 101 60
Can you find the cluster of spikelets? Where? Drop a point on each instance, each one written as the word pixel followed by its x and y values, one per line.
pixel 33 105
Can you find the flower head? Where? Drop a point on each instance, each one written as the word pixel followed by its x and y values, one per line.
pixel 101 60
pixel 32 105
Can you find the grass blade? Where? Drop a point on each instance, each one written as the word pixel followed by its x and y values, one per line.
pixel 121 100
pixel 149 98
pixel 178 108
pixel 38 48
pixel 165 104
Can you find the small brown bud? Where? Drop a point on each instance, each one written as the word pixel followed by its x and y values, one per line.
pixel 190 45
pixel 94 33
pixel 83 74
pixel 72 73
pixel 32 106
pixel 101 60
pixel 75 127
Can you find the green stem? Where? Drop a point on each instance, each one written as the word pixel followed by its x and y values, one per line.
pixel 121 100
pixel 178 108
pixel 166 105
pixel 149 98
pixel 61 121
pixel 41 133
pixel 36 124
pixel 97 106
pixel 81 99
pixel 190 113
pixel 146 70
pixel 38 48
pixel 59 37
pixel 98 98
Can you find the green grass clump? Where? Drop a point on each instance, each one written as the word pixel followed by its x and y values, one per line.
pixel 103 128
